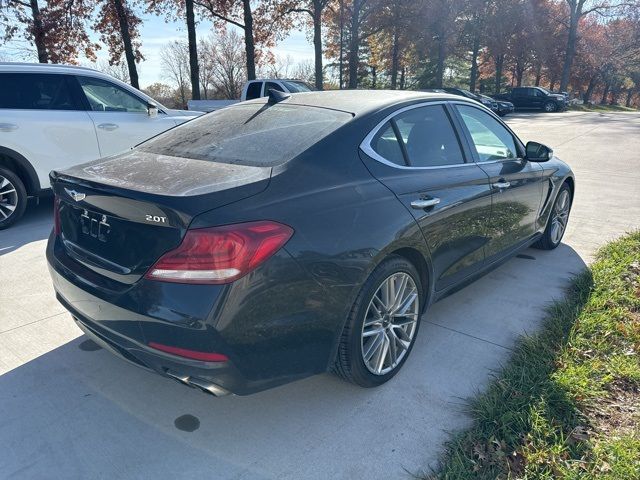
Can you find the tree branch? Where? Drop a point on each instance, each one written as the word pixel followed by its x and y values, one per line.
pixel 210 9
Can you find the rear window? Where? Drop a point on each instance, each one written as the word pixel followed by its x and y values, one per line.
pixel 37 91
pixel 255 135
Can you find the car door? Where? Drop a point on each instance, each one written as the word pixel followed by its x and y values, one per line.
pixel 121 118
pixel 417 154
pixel 517 184
pixel 42 117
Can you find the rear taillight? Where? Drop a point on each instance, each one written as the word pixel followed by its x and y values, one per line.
pixel 56 216
pixel 220 254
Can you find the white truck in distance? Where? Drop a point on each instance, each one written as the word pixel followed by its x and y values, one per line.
pixel 252 89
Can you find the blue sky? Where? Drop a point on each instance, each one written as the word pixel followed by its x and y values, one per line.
pixel 155 33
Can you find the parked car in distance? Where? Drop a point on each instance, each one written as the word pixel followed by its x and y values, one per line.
pixel 538 98
pixel 502 107
pixel 251 90
pixel 488 102
pixel 56 116
pixel 284 237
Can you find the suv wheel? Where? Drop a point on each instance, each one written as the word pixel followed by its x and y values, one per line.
pixel 550 107
pixel 382 326
pixel 13 198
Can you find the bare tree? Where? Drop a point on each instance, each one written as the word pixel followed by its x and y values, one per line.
pixel 118 70
pixel 175 67
pixel 224 64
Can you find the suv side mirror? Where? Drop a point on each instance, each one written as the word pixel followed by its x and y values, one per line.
pixel 537 152
pixel 152 110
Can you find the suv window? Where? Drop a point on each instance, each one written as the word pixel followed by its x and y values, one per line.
pixel 37 91
pixel 272 85
pixel 249 134
pixel 254 90
pixel 429 138
pixel 385 143
pixel 491 140
pixel 105 96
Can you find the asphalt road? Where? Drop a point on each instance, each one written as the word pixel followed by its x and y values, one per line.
pixel 70 411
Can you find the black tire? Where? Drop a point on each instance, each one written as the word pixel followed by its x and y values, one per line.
pixel 17 198
pixel 550 107
pixel 546 242
pixel 349 363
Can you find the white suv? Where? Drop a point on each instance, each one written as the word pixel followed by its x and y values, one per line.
pixel 55 116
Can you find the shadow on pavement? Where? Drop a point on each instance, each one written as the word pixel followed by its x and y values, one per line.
pixel 79 412
pixel 35 225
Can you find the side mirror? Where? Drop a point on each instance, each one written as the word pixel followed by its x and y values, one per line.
pixel 537 152
pixel 152 110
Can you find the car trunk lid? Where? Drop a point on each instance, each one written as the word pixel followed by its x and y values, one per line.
pixel 119 215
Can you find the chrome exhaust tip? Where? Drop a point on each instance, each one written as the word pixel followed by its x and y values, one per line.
pixel 208 387
pixel 202 385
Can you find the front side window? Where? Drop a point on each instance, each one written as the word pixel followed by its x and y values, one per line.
pixel 254 90
pixel 297 86
pixel 272 86
pixel 37 91
pixel 492 141
pixel 104 96
pixel 249 134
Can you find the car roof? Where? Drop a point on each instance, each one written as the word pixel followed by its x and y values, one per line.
pixel 360 102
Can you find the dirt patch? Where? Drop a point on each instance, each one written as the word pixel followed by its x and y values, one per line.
pixel 619 413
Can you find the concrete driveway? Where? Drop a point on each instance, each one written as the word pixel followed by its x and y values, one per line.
pixel 68 410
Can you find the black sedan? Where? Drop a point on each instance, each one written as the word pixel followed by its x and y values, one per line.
pixel 288 236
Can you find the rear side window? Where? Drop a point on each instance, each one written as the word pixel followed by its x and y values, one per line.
pixel 256 135
pixel 429 137
pixel 385 143
pixel 254 90
pixel 37 91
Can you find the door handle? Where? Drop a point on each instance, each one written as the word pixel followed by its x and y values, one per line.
pixel 109 127
pixel 501 184
pixel 425 203
pixel 8 127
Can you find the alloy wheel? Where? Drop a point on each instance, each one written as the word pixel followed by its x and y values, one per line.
pixel 560 216
pixel 8 198
pixel 390 323
pixel 549 107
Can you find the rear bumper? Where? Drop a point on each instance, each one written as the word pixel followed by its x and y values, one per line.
pixel 262 324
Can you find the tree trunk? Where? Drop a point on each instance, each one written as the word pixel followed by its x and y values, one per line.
pixel 354 44
pixel 570 50
pixel 395 59
pixel 38 33
pixel 538 75
pixel 592 85
pixel 402 78
pixel 552 84
pixel 341 73
pixel 193 51
pixel 126 40
pixel 627 102
pixel 519 74
pixel 499 65
pixel 374 77
pixel 474 63
pixel 442 53
pixel 317 45
pixel 249 45
pixel 605 93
